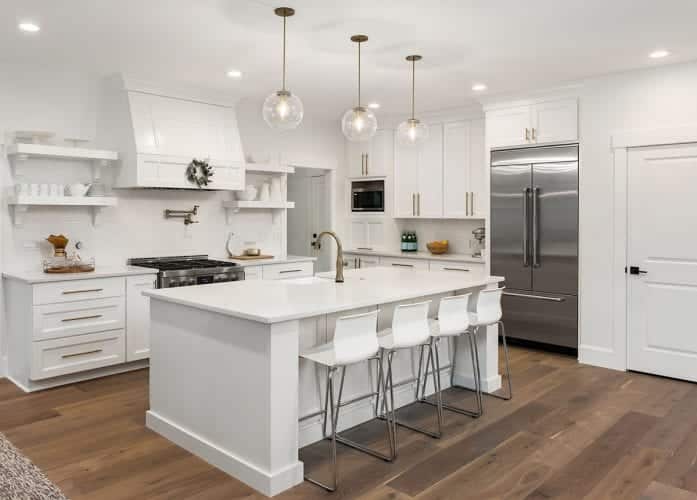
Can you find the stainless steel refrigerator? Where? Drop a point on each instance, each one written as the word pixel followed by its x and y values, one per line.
pixel 534 241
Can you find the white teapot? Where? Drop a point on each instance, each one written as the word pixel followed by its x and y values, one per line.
pixel 78 189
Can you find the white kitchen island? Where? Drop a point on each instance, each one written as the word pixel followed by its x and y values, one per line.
pixel 226 382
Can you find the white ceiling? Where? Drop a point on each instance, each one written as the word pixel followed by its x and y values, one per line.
pixel 510 45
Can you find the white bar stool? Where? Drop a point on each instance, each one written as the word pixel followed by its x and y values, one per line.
pixel 453 321
pixel 410 329
pixel 488 312
pixel 355 340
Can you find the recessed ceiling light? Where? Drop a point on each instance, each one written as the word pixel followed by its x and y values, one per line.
pixel 374 105
pixel 657 54
pixel 478 87
pixel 29 27
pixel 234 73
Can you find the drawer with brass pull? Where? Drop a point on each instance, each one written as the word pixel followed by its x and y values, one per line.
pixel 75 318
pixel 55 357
pixel 75 290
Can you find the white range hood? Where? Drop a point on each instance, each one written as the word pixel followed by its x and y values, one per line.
pixel 158 133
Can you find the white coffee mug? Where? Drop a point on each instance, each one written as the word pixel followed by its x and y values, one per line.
pixel 44 190
pixel 34 189
pixel 53 190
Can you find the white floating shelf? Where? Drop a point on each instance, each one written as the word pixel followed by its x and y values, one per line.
pixel 21 204
pixel 24 151
pixel 277 207
pixel 268 168
pixel 237 204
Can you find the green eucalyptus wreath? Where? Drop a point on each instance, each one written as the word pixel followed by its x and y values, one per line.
pixel 199 172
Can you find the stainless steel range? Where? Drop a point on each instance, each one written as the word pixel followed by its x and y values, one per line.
pixel 190 270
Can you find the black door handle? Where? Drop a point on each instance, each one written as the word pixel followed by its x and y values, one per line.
pixel 636 270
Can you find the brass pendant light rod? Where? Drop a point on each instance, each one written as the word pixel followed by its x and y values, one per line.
pixel 359 39
pixel 284 12
pixel 413 60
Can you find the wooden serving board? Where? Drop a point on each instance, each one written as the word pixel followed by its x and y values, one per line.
pixel 251 257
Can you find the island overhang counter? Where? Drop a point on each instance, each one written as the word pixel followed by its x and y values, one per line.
pixel 226 382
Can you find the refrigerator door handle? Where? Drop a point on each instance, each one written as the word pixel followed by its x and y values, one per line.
pixel 537 297
pixel 535 228
pixel 526 233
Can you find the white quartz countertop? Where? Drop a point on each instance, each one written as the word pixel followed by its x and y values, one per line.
pixel 265 262
pixel 448 257
pixel 38 276
pixel 284 300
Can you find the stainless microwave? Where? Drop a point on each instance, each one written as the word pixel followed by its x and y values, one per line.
pixel 368 196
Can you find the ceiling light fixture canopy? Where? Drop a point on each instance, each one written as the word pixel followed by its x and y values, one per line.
pixel 359 123
pixel 412 131
pixel 283 110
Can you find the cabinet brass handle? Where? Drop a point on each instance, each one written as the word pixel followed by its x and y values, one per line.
pixel 290 271
pixel 367 170
pixel 418 204
pixel 467 203
pixel 536 297
pixel 534 134
pixel 363 248
pixel 81 318
pixel 91 290
pixel 456 269
pixel 413 203
pixel 402 265
pixel 95 351
pixel 527 135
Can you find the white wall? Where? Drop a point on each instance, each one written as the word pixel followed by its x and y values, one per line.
pixel 649 99
pixel 64 102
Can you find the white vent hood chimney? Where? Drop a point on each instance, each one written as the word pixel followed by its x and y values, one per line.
pixel 159 132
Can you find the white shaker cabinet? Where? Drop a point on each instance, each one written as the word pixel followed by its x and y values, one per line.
pixel 418 178
pixel 539 123
pixel 464 169
pixel 508 127
pixel 138 317
pixel 429 197
pixel 367 233
pixel 555 121
pixel 372 158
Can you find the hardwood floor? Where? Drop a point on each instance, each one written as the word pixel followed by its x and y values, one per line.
pixel 571 432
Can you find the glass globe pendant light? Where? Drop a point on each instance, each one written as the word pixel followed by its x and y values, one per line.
pixel 283 110
pixel 359 124
pixel 412 131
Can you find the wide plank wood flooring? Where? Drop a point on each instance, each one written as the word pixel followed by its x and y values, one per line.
pixel 571 432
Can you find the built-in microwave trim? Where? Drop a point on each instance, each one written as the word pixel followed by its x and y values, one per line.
pixel 367 186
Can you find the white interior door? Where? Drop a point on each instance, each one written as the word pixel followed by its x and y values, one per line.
pixel 662 244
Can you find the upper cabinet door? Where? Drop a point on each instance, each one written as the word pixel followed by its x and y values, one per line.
pixel 456 169
pixel 478 168
pixel 555 121
pixel 380 157
pixel 429 201
pixel 356 153
pixel 406 181
pixel 509 127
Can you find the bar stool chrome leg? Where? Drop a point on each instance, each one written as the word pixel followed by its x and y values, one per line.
pixel 475 373
pixel 439 413
pixel 332 445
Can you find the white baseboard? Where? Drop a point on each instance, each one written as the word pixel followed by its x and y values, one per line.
pixel 605 358
pixel 490 384
pixel 267 483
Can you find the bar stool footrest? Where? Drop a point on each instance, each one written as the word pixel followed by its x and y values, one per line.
pixel 434 435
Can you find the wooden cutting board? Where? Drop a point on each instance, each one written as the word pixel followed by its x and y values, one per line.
pixel 251 257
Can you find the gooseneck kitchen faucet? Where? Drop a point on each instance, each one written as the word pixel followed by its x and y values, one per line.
pixel 339 254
